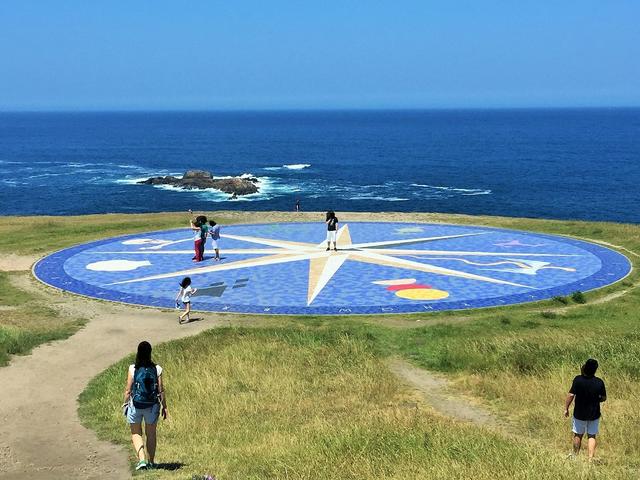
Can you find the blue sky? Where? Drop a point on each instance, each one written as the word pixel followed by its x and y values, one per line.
pixel 331 54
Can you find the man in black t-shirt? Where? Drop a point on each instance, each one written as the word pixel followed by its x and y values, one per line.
pixel 332 227
pixel 588 391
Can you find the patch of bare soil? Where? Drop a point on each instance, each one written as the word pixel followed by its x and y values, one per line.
pixel 12 263
pixel 435 391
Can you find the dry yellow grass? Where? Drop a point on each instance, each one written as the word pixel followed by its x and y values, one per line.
pixel 309 404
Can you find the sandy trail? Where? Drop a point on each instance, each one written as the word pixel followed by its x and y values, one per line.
pixel 10 262
pixel 40 432
pixel 434 389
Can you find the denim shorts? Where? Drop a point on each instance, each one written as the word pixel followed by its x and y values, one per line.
pixel 150 415
pixel 590 427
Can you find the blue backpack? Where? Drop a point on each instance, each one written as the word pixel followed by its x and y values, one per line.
pixel 145 387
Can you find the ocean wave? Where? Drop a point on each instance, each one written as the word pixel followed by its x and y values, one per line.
pixel 479 192
pixel 268 188
pixel 297 166
pixel 125 165
pixel 134 180
pixel 290 166
pixel 461 191
pixel 130 180
pixel 376 197
pixel 86 164
pixel 42 175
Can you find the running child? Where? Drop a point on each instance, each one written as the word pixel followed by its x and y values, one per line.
pixel 184 294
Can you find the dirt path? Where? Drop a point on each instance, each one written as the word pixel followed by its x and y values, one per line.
pixel 11 263
pixel 434 388
pixel 40 432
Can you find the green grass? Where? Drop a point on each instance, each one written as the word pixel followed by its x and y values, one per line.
pixel 309 403
pixel 524 368
pixel 26 321
pixel 39 235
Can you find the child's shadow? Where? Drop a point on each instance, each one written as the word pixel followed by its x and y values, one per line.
pixel 191 320
pixel 169 466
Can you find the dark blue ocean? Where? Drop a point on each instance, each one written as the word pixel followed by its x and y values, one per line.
pixel 564 164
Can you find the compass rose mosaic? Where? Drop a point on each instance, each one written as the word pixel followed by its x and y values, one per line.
pixel 379 267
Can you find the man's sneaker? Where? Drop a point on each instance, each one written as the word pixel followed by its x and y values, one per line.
pixel 142 465
pixel 151 465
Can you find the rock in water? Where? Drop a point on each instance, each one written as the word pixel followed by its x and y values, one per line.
pixel 198 174
pixel 200 179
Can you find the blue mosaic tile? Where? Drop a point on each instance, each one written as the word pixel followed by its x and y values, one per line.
pixel 463 266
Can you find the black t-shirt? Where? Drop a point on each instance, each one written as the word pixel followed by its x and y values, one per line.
pixel 589 392
pixel 331 224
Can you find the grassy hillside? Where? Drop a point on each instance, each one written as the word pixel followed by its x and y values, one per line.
pixel 319 402
pixel 313 398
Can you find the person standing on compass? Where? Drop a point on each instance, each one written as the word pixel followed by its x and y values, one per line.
pixel 332 228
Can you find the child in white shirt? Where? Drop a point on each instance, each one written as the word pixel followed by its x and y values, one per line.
pixel 186 290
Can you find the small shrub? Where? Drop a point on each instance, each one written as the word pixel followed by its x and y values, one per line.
pixel 548 314
pixel 505 321
pixel 559 299
pixel 578 297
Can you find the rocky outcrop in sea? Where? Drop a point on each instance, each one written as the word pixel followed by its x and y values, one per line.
pixel 201 179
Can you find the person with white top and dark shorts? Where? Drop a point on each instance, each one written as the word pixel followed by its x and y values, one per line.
pixel 588 391
pixel 332 229
pixel 184 295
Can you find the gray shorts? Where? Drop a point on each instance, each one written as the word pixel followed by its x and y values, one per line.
pixel 150 415
pixel 590 427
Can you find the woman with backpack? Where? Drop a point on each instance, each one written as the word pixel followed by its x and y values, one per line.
pixel 143 400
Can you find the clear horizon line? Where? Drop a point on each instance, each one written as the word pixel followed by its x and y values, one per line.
pixel 316 109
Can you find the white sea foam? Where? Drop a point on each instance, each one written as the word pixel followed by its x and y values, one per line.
pixel 42 175
pixel 130 180
pixel 133 167
pixel 453 190
pixel 480 192
pixel 83 165
pixel 133 180
pixel 290 166
pixel 296 166
pixel 376 197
